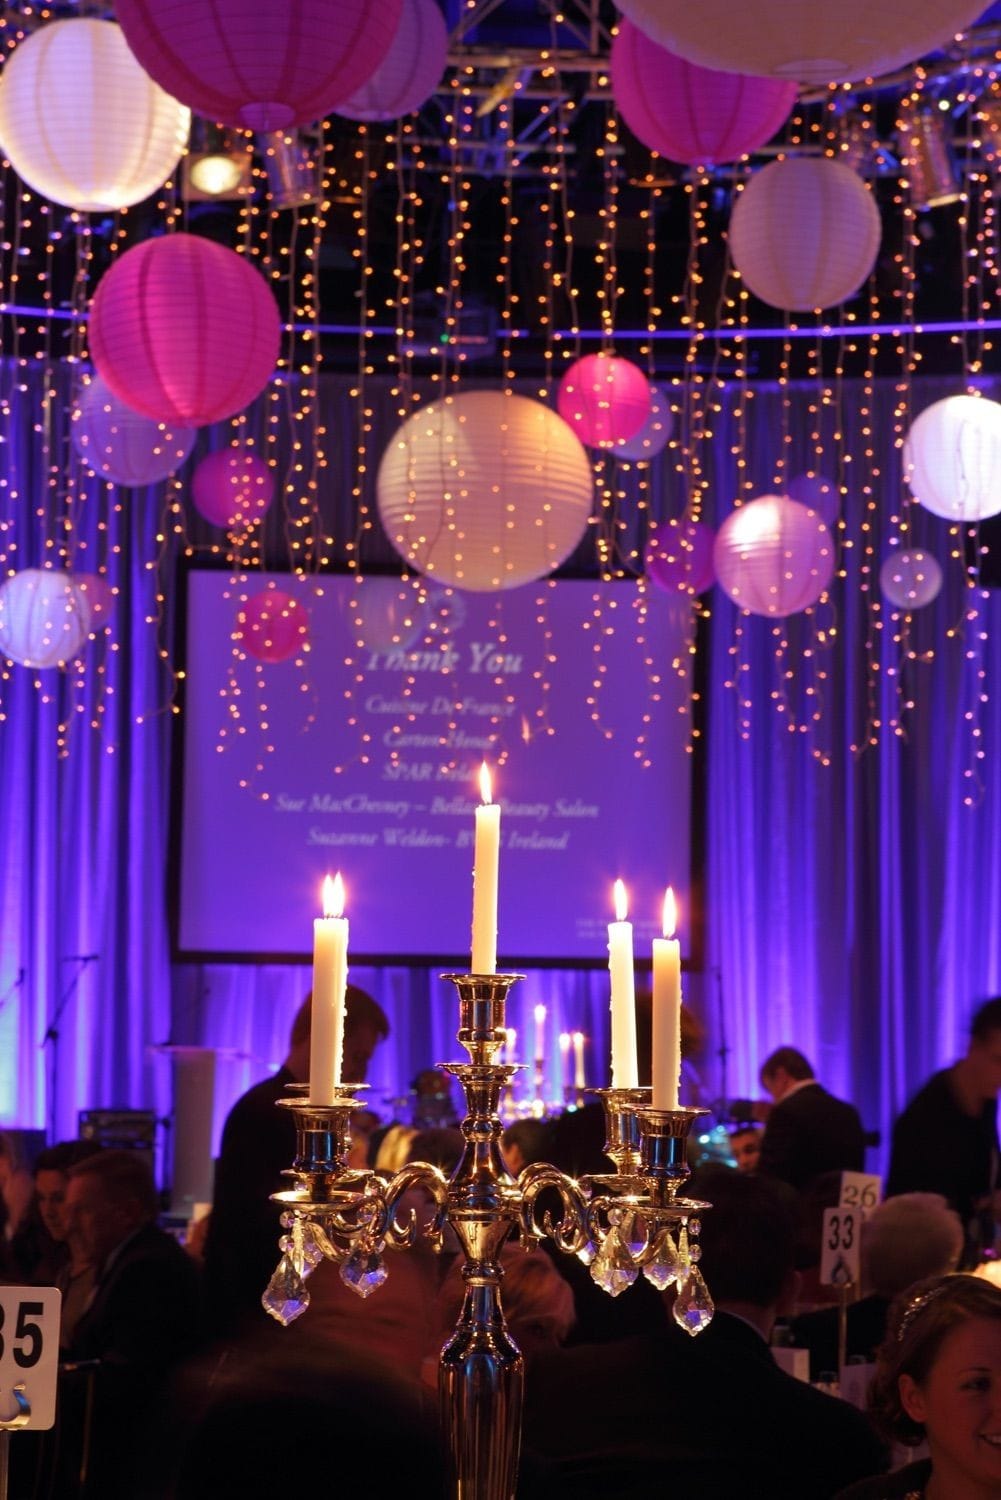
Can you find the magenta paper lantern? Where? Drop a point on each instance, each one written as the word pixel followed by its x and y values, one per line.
pixel 410 71
pixel 184 330
pixel 272 625
pixel 604 400
pixel 119 445
pixel 773 556
pixel 692 114
pixel 233 487
pixel 679 557
pixel 653 436
pixel 44 618
pixel 99 597
pixel 256 66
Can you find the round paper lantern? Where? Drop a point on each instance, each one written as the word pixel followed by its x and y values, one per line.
pixel 385 614
pixel 604 399
pixel 804 233
pixel 773 556
pixel 818 492
pixel 272 626
pixel 679 557
pixel 811 43
pixel 485 490
pixel 233 487
pixel 118 444
pixel 107 137
pixel 260 67
pixel 410 71
pixel 692 114
pixel 653 436
pixel 952 458
pixel 99 597
pixel 184 330
pixel 910 578
pixel 44 618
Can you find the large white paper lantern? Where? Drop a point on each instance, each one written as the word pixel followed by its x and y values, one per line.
pixel 804 233
pixel 82 123
pixel 485 490
pixel 910 578
pixel 805 40
pixel 952 458
pixel 411 70
pixel 44 618
pixel 119 444
pixel 773 556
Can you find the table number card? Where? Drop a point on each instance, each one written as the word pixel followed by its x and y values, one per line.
pixel 29 1352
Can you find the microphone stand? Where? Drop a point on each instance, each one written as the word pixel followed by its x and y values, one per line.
pixel 9 991
pixel 723 1050
pixel 52 1035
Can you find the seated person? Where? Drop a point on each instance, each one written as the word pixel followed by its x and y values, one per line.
pixel 745 1146
pixel 70 1265
pixel 525 1141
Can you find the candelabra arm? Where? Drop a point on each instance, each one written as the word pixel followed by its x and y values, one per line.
pixel 402 1232
pixel 569 1232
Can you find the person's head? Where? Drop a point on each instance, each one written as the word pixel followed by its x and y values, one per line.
pixel 441 1145
pixel 51 1171
pixel 745 1147
pixel 983 1055
pixel 782 1070
pixel 748 1239
pixel 108 1197
pixel 365 1026
pixel 524 1141
pixel 938 1377
pixel 907 1239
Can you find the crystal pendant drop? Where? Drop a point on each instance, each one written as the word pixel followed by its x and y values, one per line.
pixel 285 1296
pixel 315 1246
pixel 612 1269
pixel 693 1306
pixel 665 1266
pixel 587 1252
pixel 364 1271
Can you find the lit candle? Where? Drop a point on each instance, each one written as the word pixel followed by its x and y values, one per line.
pixel 667 1010
pixel 540 1034
pixel 620 965
pixel 565 1059
pixel 510 1044
pixel 330 978
pixel 579 1081
pixel 486 855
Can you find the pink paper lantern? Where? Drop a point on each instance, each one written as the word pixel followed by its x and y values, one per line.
pixel 260 67
pixel 679 557
pixel 692 114
pixel 98 596
pixel 233 487
pixel 604 400
pixel 773 556
pixel 272 625
pixel 410 71
pixel 184 330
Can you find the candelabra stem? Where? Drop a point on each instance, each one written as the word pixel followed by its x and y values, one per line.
pixel 480 1383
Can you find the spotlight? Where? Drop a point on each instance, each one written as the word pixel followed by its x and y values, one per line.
pixel 293 162
pixel 925 153
pixel 217 167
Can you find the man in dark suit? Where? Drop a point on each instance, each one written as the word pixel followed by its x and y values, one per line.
pixel 809 1132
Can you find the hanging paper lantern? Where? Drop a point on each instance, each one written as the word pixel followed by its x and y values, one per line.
pixel 604 399
pixel 910 578
pixel 184 330
pixel 272 626
pixel 819 493
pixel 812 43
pixel 773 556
pixel 385 614
pixel 44 618
pixel 679 557
pixel 692 114
pixel 952 458
pixel 485 490
pixel 261 67
pixel 232 487
pixel 653 436
pixel 118 444
pixel 804 233
pixel 107 137
pixel 410 71
pixel 99 597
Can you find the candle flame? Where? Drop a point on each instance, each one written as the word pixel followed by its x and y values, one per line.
pixel 578 1039
pixel 540 1014
pixel 564 1041
pixel 670 912
pixel 621 901
pixel 511 1036
pixel 485 787
pixel 333 896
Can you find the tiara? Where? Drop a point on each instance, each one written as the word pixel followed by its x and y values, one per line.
pixel 918 1304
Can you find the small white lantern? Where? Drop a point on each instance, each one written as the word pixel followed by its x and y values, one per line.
pixel 952 458
pixel 910 578
pixel 82 123
pixel 121 445
pixel 773 556
pixel 44 618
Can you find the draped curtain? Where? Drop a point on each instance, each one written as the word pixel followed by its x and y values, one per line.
pixel 850 908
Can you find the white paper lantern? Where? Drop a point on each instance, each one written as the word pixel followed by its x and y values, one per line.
pixel 411 70
pixel 910 578
pixel 107 136
pixel 952 458
pixel 485 490
pixel 773 556
pixel 653 436
pixel 44 618
pixel 803 39
pixel 805 233
pixel 119 444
